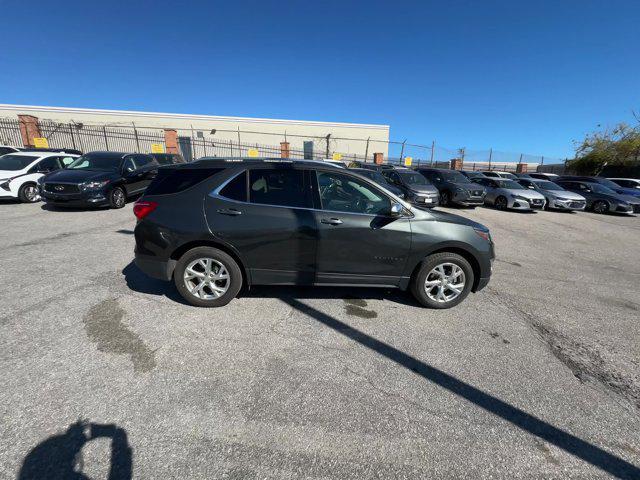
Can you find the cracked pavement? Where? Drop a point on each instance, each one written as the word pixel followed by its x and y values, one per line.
pixel 537 376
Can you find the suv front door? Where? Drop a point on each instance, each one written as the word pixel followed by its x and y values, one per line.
pixel 358 241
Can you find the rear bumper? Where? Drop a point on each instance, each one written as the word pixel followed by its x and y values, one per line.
pixel 155 268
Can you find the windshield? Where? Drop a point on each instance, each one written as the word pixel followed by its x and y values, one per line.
pixel 548 186
pixel 411 178
pixel 375 176
pixel 454 177
pixel 510 184
pixel 608 183
pixel 15 162
pixel 596 187
pixel 96 162
pixel 474 174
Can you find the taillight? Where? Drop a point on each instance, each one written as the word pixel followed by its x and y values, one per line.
pixel 142 209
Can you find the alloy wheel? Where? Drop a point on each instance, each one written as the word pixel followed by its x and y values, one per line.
pixel 118 198
pixel 600 207
pixel 206 278
pixel 31 193
pixel 445 282
pixel 501 203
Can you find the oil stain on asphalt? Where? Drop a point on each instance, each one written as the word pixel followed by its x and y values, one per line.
pixel 356 307
pixel 104 327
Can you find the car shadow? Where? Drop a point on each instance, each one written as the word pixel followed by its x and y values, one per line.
pixel 138 281
pixel 60 456
pixel 286 292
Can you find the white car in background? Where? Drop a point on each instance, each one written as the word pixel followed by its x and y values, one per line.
pixel 627 182
pixel 20 171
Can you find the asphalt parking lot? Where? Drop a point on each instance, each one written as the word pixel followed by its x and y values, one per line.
pixel 537 376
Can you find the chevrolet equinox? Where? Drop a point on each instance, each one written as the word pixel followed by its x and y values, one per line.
pixel 215 225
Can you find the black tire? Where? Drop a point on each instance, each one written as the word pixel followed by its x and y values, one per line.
pixel 28 193
pixel 445 199
pixel 117 198
pixel 501 202
pixel 600 206
pixel 231 266
pixel 419 290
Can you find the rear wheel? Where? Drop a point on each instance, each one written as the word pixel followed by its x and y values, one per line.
pixel 501 203
pixel 443 281
pixel 600 206
pixel 29 193
pixel 117 198
pixel 207 277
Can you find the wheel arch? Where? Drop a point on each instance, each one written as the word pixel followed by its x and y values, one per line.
pixel 185 247
pixel 459 250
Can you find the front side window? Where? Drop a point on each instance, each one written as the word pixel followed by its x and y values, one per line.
pixel 143 160
pixel 343 193
pixel 66 161
pixel 410 178
pixel 279 187
pixel 129 164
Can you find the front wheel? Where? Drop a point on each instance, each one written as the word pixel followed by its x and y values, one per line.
pixel 207 277
pixel 443 281
pixel 445 199
pixel 117 198
pixel 600 206
pixel 501 203
pixel 28 193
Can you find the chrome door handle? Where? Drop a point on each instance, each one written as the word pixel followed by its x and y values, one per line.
pixel 331 221
pixel 229 211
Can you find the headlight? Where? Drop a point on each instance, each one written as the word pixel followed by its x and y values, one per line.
pixel 93 185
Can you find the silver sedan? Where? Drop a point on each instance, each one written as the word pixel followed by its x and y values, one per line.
pixel 557 197
pixel 509 194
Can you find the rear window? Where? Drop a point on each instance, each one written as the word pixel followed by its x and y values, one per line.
pixel 177 180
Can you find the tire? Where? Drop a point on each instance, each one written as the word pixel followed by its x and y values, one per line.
pixel 501 203
pixel 445 199
pixel 214 292
pixel 117 198
pixel 600 206
pixel 28 193
pixel 448 261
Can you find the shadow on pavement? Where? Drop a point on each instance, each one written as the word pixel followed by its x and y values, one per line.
pixel 138 281
pixel 60 456
pixel 577 447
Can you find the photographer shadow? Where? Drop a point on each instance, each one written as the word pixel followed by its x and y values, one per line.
pixel 60 456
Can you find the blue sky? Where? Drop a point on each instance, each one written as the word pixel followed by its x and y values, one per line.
pixel 516 76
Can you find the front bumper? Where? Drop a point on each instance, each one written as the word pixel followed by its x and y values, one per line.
pixel 567 204
pixel 77 199
pixel 468 198
pixel 623 209
pixel 427 201
pixel 523 204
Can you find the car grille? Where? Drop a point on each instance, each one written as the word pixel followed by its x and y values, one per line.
pixel 536 201
pixel 476 193
pixel 576 204
pixel 61 188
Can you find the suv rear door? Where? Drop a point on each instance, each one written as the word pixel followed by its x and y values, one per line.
pixel 358 242
pixel 265 214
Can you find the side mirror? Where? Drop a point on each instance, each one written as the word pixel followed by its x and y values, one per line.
pixel 396 210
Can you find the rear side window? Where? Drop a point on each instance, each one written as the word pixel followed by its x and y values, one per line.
pixel 279 187
pixel 177 180
pixel 236 189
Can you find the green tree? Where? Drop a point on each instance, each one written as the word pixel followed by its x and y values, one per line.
pixel 619 145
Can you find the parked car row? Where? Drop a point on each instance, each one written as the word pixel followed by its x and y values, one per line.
pixel 68 178
pixel 517 191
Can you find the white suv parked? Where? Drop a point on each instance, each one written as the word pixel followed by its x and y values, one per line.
pixel 20 171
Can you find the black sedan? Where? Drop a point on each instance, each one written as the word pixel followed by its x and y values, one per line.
pixel 379 179
pixel 99 179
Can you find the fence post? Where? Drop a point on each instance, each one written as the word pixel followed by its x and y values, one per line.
pixel 171 141
pixel 327 150
pixel 29 129
pixel 433 147
pixel 366 150
pixel 73 139
pixel 106 142
pixel 402 150
pixel 135 132
pixel 490 157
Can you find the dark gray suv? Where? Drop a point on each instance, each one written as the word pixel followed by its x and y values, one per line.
pixel 214 225
pixel 454 187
